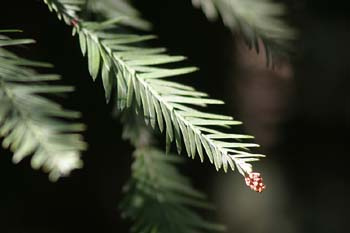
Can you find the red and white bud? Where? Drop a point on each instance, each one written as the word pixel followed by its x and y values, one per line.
pixel 255 182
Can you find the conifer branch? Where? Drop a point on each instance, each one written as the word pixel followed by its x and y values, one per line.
pixel 119 9
pixel 31 124
pixel 140 82
pixel 255 20
pixel 158 198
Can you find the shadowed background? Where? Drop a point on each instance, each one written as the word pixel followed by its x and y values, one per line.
pixel 299 113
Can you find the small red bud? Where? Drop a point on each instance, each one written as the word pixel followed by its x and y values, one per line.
pixel 255 182
pixel 74 22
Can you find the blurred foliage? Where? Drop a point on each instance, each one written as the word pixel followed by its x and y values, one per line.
pixel 29 122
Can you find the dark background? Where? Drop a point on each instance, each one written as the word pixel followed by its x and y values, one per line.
pixel 301 120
